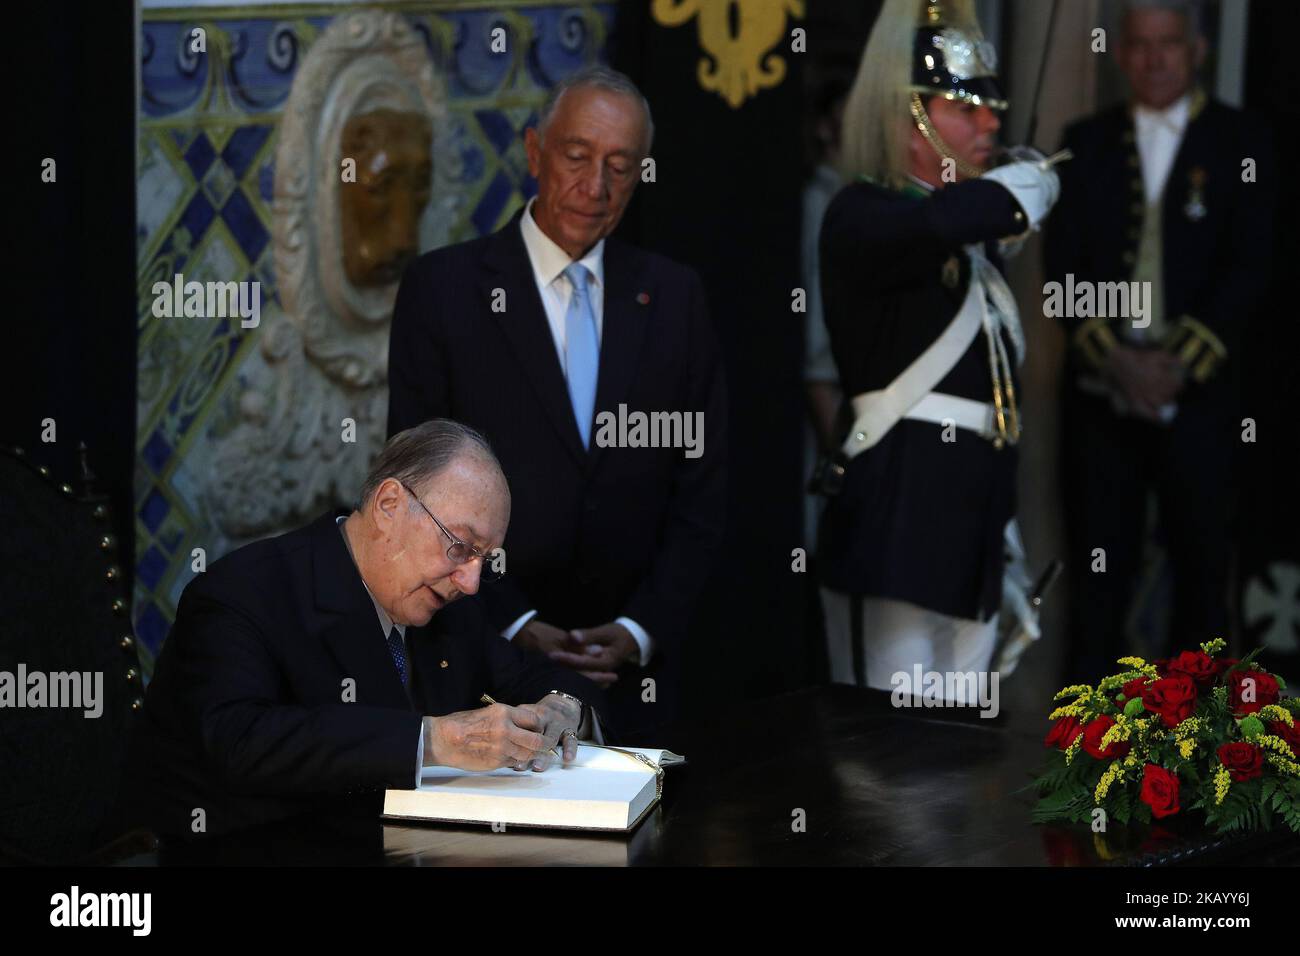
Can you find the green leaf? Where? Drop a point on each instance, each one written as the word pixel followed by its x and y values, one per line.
pixel 1251 726
pixel 1134 707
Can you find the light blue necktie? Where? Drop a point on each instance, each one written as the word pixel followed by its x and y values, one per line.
pixel 581 350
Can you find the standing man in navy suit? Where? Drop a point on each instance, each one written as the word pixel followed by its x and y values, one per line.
pixel 540 334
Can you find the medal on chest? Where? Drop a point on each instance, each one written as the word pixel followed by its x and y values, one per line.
pixel 1195 209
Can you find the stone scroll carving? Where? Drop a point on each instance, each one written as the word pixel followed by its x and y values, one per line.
pixel 363 176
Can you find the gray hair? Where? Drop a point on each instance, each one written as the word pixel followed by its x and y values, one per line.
pixel 418 455
pixel 595 77
pixel 1189 9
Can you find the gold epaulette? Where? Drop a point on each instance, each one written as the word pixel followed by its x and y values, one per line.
pixel 1095 340
pixel 1196 347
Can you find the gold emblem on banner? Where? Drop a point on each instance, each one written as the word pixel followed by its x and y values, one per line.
pixel 741 64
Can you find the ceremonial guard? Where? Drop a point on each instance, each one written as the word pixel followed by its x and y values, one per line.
pixel 1170 194
pixel 927 339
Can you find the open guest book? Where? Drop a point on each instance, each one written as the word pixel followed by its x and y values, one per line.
pixel 604 788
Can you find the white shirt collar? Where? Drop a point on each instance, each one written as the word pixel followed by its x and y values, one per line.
pixel 385 621
pixel 548 260
pixel 1174 116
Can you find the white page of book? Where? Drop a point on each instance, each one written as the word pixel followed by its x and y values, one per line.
pixel 600 789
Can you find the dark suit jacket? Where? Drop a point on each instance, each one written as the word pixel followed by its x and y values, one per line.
pixel 245 716
pixel 593 534
pixel 1215 267
pixel 918 519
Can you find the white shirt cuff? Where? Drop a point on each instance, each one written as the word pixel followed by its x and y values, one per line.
pixel 419 757
pixel 510 632
pixel 639 635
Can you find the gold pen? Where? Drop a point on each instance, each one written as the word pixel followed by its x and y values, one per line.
pixel 486 699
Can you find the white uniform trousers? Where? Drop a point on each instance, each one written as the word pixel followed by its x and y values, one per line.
pixel 896 636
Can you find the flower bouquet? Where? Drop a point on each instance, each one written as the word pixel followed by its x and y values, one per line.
pixel 1195 732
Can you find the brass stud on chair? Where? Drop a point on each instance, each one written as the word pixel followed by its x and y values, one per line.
pixel 131 674
pixel 137 704
pixel 106 542
pixel 44 471
pixel 112 573
pixel 126 643
pixel 100 512
pixel 66 489
pixel 119 606
pixel 18 452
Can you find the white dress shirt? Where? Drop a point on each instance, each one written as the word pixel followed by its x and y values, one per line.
pixel 1159 134
pixel 549 262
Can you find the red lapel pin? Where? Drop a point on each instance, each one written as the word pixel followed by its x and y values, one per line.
pixel 643 298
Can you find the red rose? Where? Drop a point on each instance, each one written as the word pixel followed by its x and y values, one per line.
pixel 1259 685
pixel 1092 735
pixel 1159 790
pixel 1290 734
pixel 1134 687
pixel 1173 698
pixel 1063 733
pixel 1197 665
pixel 1244 760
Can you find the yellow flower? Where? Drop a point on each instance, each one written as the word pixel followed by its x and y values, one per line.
pixel 1120 730
pixel 1114 772
pixel 1074 690
pixel 1185 747
pixel 1222 781
pixel 1069 710
pixel 1274 712
pixel 1072 750
pixel 1136 663
pixel 1187 728
pixel 1284 765
pixel 1214 646
pixel 1270 742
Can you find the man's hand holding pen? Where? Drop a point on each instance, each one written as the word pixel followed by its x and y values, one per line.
pixel 499 735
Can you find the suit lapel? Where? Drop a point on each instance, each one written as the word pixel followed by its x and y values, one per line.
pixel 626 316
pixel 523 323
pixel 349 625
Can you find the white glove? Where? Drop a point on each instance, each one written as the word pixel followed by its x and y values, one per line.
pixel 1033 184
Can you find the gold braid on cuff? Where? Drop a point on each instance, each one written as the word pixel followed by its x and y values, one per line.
pixel 1095 340
pixel 1196 347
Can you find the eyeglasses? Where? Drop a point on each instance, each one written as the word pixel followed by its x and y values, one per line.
pixel 459 551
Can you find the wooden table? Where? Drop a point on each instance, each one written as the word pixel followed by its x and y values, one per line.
pixel 876 786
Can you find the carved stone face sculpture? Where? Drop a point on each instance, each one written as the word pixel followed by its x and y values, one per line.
pixel 380 211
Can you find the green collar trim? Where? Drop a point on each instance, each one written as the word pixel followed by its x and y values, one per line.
pixel 908 189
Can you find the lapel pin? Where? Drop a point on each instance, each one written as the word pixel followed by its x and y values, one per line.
pixel 643 298
pixel 442 663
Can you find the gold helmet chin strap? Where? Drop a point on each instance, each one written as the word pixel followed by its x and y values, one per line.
pixel 931 136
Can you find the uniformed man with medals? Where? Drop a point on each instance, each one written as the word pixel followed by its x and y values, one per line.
pixel 927 341
pixel 1169 199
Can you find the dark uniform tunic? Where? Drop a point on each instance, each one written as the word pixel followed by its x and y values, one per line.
pixel 919 519
pixel 1215 233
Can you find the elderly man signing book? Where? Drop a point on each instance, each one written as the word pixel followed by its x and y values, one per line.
pixel 325 666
